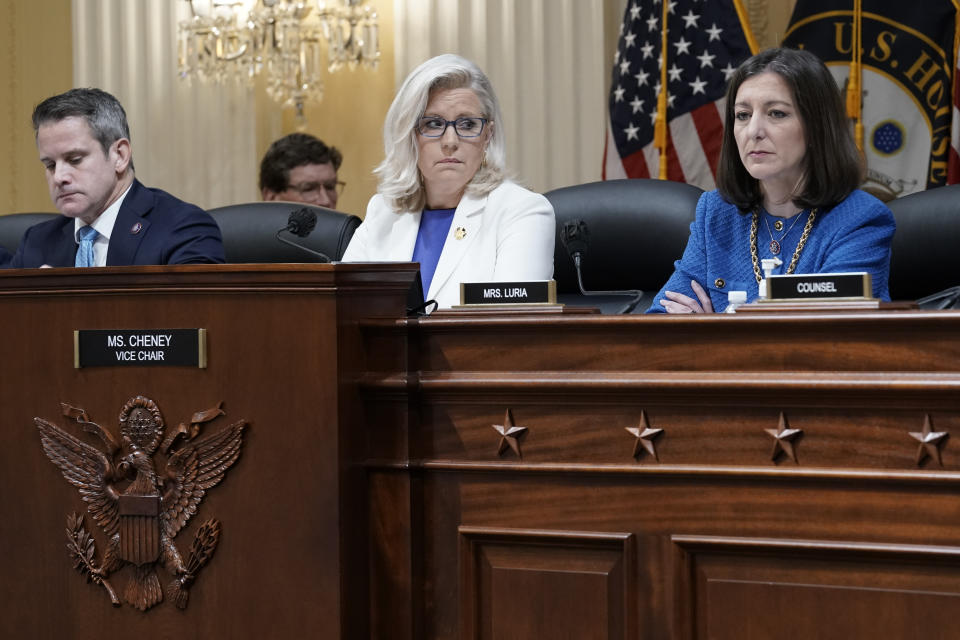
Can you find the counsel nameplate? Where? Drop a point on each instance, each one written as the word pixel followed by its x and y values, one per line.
pixel 140 348
pixel 532 292
pixel 820 285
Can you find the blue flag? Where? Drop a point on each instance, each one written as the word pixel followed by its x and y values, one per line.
pixel 907 68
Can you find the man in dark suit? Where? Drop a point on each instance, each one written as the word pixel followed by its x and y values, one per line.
pixel 109 218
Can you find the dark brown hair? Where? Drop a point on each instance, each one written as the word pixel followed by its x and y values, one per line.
pixel 292 151
pixel 832 164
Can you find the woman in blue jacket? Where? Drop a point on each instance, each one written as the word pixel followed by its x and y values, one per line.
pixel 786 187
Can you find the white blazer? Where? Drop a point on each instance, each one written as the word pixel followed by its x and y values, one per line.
pixel 507 235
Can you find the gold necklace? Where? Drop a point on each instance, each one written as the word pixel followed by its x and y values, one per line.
pixel 796 252
pixel 774 242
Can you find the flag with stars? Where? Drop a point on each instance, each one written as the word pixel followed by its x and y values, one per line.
pixel 907 86
pixel 706 40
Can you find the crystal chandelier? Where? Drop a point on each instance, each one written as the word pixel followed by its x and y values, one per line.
pixel 235 40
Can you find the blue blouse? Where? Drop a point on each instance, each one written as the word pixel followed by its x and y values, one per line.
pixel 434 227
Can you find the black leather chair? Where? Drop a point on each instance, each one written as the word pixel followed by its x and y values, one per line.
pixel 637 229
pixel 250 232
pixel 13 225
pixel 923 252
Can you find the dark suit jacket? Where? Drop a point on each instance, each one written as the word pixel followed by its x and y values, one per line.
pixel 152 227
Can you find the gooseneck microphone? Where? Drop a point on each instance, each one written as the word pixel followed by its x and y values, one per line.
pixel 575 237
pixel 300 223
pixel 946 299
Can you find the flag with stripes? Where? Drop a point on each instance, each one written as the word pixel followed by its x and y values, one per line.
pixel 908 98
pixel 705 43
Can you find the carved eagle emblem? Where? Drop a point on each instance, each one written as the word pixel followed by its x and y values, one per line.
pixel 139 509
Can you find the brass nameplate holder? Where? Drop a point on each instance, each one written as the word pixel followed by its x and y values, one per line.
pixel 538 292
pixel 819 286
pixel 140 348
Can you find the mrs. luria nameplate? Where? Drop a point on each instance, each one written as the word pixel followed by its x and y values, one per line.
pixel 831 286
pixel 483 293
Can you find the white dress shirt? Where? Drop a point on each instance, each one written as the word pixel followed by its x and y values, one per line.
pixel 104 227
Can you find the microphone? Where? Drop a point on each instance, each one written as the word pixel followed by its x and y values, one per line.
pixel 300 223
pixel 575 237
pixel 946 299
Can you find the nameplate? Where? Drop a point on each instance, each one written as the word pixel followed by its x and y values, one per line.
pixel 140 348
pixel 534 292
pixel 820 285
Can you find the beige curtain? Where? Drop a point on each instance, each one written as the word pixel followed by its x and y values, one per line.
pixel 546 61
pixel 197 141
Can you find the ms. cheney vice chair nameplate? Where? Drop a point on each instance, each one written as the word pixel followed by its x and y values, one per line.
pixel 496 293
pixel 140 348
pixel 832 286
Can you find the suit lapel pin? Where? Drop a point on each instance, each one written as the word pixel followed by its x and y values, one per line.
pixel 136 228
pixel 460 233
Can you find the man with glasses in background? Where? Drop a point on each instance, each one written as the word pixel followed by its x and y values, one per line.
pixel 301 168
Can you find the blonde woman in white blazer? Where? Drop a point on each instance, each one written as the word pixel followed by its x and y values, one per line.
pixel 443 199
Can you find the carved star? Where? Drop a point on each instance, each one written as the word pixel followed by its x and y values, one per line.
pixel 930 441
pixel 645 437
pixel 783 437
pixel 509 435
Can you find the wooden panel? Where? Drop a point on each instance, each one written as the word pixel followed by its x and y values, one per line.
pixel 580 430
pixel 742 589
pixel 283 354
pixel 858 386
pixel 389 504
pixel 839 342
pixel 519 584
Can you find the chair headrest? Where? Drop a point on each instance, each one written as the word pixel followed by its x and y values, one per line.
pixel 637 228
pixel 13 225
pixel 249 232
pixel 923 252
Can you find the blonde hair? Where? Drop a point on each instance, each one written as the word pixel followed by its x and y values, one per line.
pixel 400 182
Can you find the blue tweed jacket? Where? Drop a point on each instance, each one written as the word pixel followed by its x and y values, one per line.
pixel 853 236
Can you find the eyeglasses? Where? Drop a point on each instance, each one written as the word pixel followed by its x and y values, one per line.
pixel 434 127
pixel 312 189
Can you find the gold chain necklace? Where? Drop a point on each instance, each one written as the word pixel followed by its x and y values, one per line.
pixel 796 252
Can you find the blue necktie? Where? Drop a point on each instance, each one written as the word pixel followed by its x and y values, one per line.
pixel 85 253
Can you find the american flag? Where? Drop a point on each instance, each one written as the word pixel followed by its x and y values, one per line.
pixel 706 40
